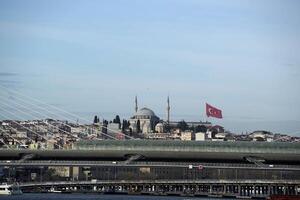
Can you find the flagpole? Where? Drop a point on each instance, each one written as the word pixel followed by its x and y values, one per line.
pixel 206 119
pixel 205 114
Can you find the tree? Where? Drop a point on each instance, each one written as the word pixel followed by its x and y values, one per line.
pixel 200 128
pixel 182 125
pixel 123 126
pixel 104 127
pixel 167 128
pixel 117 120
pixel 214 132
pixel 138 126
pixel 96 119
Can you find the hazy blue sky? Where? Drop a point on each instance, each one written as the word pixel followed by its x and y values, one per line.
pixel 95 56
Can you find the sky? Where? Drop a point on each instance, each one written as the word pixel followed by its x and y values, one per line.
pixel 93 57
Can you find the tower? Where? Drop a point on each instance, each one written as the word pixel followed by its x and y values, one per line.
pixel 136 104
pixel 168 110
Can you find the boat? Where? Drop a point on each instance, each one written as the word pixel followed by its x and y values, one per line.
pixel 52 190
pixel 11 189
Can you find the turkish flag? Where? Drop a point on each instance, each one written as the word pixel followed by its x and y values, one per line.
pixel 213 112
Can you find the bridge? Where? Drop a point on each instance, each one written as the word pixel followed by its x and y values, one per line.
pixel 212 188
pixel 212 179
pixel 202 165
pixel 275 152
pixel 133 166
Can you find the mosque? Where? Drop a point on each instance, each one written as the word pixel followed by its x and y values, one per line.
pixel 147 120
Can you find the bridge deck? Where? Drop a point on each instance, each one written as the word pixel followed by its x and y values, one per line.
pixel 167 150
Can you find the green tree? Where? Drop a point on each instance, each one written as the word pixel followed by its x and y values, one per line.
pixel 200 128
pixel 123 126
pixel 214 132
pixel 104 127
pixel 167 128
pixel 96 119
pixel 117 120
pixel 138 126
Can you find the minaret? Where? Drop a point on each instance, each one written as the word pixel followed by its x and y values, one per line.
pixel 136 104
pixel 168 110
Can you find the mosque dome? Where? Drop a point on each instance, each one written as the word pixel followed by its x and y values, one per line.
pixel 159 125
pixel 159 128
pixel 146 112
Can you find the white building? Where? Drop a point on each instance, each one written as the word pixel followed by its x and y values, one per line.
pixel 209 135
pixel 159 128
pixel 187 135
pixel 219 137
pixel 262 136
pixel 147 120
pixel 200 136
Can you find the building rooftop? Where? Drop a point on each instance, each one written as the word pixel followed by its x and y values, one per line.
pixel 145 112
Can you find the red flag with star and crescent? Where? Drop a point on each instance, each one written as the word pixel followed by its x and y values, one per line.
pixel 213 112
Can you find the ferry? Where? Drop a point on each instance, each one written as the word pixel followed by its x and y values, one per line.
pixel 52 190
pixel 11 189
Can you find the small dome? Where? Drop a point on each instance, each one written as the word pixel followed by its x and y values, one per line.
pixel 145 112
pixel 159 128
pixel 159 125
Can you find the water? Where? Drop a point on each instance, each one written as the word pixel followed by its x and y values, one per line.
pixel 96 197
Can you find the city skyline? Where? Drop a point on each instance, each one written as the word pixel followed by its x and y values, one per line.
pixel 93 57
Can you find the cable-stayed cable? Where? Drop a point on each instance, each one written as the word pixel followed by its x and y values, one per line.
pixel 2 141
pixel 24 106
pixel 96 130
pixel 32 131
pixel 61 110
pixel 50 124
pixel 4 132
pixel 31 116
pixel 12 128
pixel 35 116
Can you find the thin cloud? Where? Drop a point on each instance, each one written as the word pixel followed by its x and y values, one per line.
pixel 8 79
pixel 10 83
pixel 5 74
